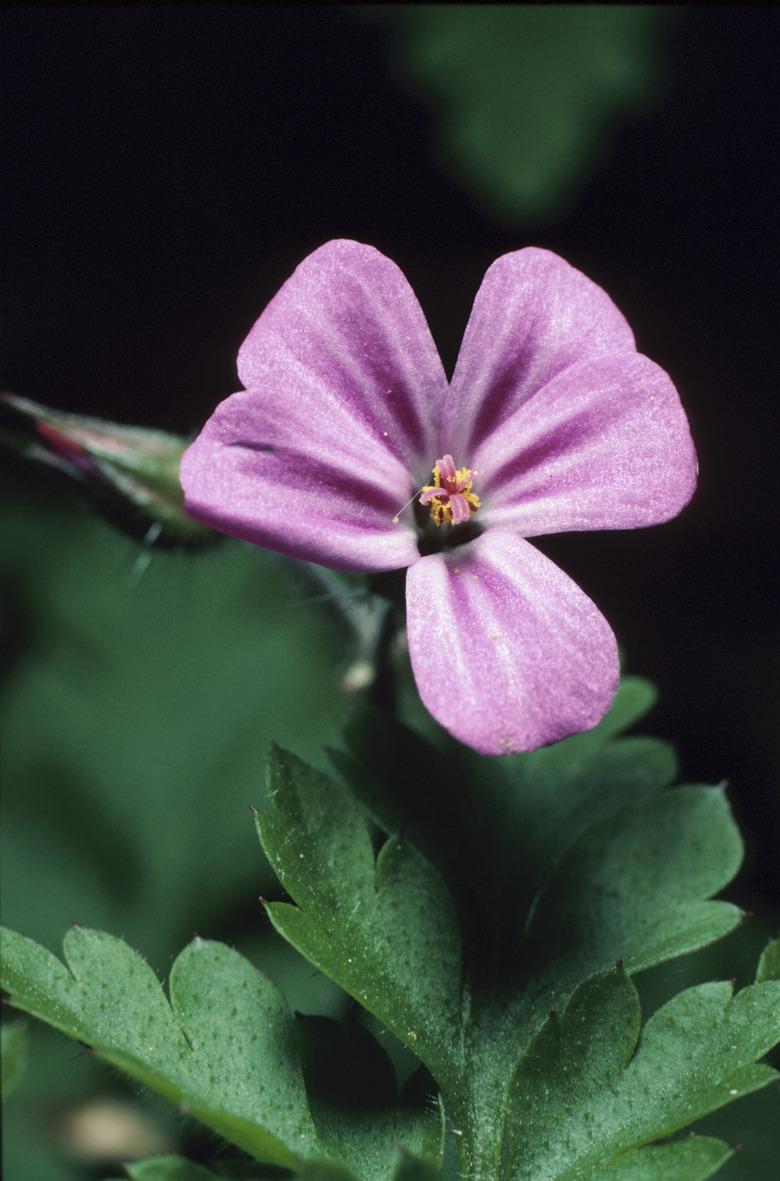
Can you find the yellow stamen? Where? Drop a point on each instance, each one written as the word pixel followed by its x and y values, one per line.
pixel 441 509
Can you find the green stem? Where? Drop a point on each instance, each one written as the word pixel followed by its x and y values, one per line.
pixel 478 1135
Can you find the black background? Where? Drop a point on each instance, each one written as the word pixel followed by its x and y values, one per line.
pixel 169 167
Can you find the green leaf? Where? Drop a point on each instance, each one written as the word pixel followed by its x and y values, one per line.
pixel 769 964
pixel 177 1168
pixel 13 1054
pixel 635 883
pixel 409 1168
pixel 169 1168
pixel 386 932
pixel 514 880
pixel 693 1159
pixel 227 1051
pixel 511 818
pixel 566 818
pixel 583 1092
pixel 353 1095
pixel 526 97
pixel 223 1049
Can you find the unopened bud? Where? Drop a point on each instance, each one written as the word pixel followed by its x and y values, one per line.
pixel 130 473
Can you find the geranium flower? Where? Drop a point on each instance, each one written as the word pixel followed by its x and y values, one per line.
pixel 552 422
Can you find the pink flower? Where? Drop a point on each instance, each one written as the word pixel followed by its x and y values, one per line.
pixel 552 422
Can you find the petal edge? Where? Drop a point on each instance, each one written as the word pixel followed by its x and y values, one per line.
pixel 604 445
pixel 347 323
pixel 533 316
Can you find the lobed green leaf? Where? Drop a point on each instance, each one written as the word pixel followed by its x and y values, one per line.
pixel 222 1049
pixel 513 881
pixel 584 1093
pixel 226 1050
pixel 386 932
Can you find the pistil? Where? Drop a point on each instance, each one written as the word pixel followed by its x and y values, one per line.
pixel 450 497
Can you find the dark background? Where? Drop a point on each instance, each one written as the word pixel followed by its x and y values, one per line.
pixel 169 167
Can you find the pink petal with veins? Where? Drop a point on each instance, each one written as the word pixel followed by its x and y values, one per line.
pixel 508 653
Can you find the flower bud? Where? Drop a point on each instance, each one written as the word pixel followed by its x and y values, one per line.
pixel 130 473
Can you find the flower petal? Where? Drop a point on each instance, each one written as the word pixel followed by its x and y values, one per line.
pixel 282 469
pixel 508 653
pixel 347 330
pixel 534 315
pixel 604 445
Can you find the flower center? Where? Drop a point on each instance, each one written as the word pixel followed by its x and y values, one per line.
pixel 450 496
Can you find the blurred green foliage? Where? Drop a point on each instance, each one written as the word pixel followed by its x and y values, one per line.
pixel 13 1050
pixel 527 96
pixel 139 707
pixel 139 701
